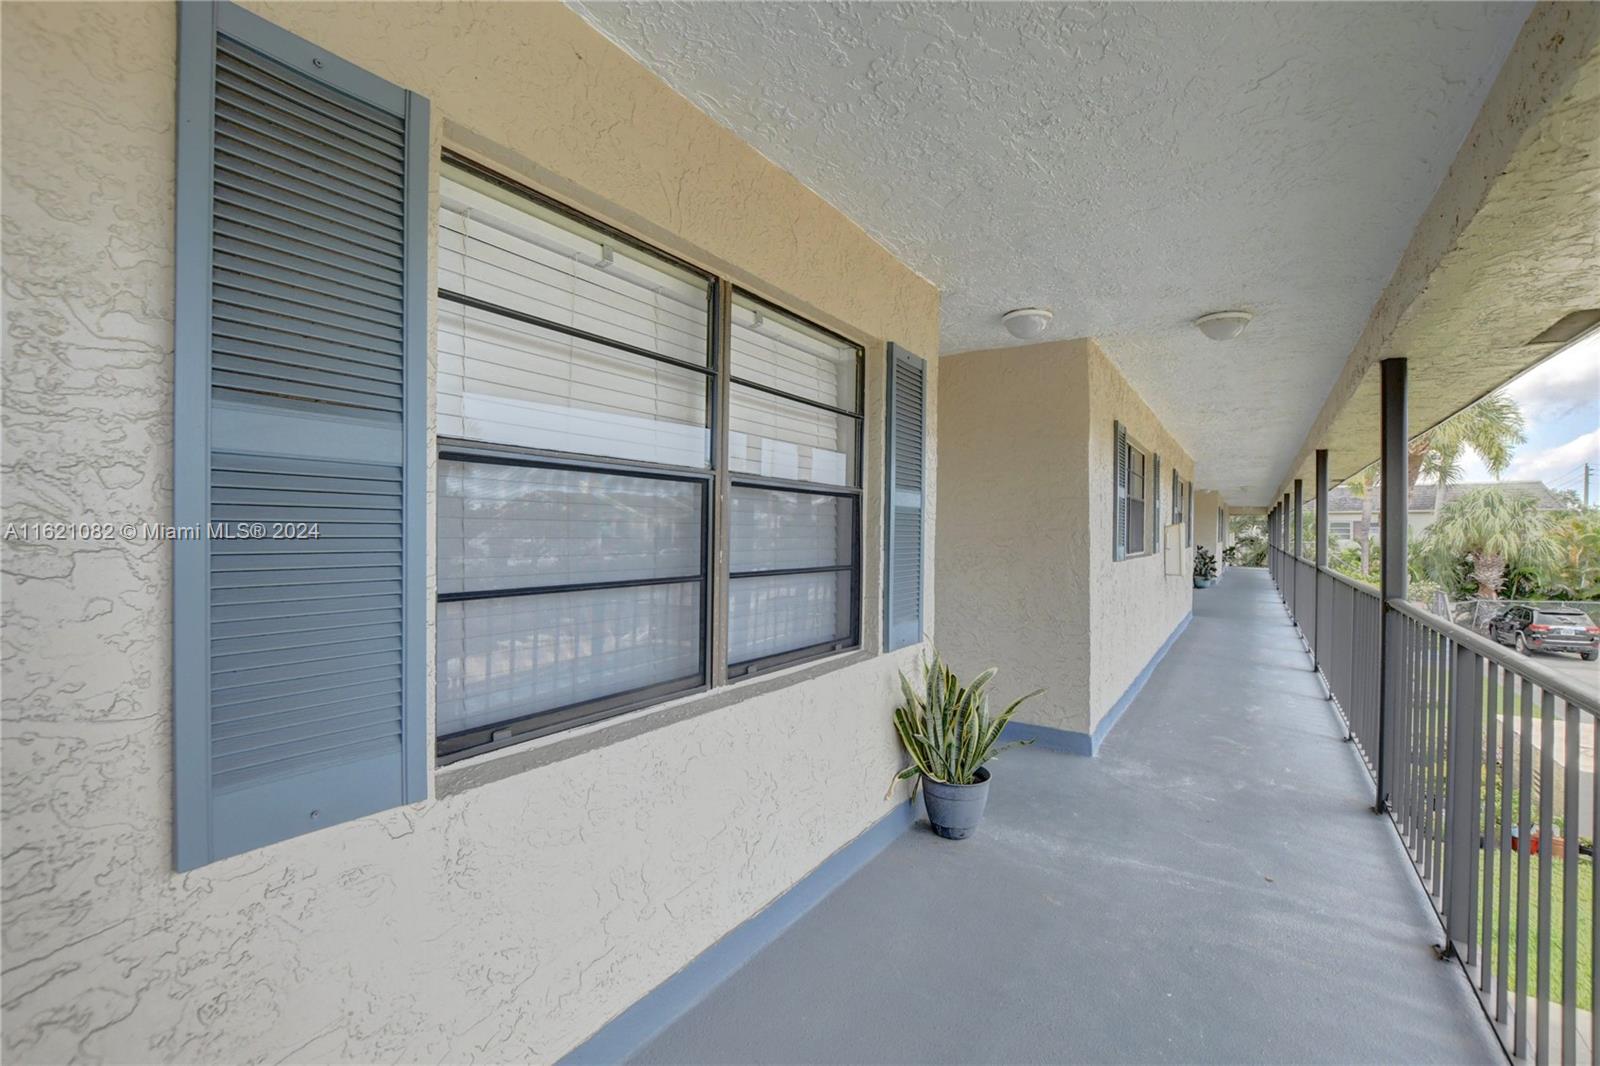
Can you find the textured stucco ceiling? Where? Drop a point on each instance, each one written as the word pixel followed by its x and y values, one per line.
pixel 1509 246
pixel 1129 165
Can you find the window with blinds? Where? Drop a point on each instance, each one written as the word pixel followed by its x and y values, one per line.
pixel 574 479
pixel 794 442
pixel 1137 501
pixel 578 386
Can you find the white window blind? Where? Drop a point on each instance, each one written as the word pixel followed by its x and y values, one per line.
pixel 509 380
pixel 794 416
pixel 1138 505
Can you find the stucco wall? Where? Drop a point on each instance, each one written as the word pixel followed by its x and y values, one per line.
pixel 1206 504
pixel 1026 526
pixel 510 918
pixel 1134 604
pixel 1014 474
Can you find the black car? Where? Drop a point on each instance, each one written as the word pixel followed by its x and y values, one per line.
pixel 1531 629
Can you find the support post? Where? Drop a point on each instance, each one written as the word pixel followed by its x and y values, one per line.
pixel 1299 516
pixel 1283 532
pixel 1321 550
pixel 1322 508
pixel 1392 573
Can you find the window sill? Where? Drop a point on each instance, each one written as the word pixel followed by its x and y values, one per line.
pixel 493 766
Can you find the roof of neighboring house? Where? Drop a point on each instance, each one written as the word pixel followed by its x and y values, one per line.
pixel 1340 500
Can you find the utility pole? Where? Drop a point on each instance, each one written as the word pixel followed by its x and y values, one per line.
pixel 1586 468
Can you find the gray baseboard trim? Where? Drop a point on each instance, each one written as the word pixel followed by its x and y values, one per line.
pixel 627 1034
pixel 1076 742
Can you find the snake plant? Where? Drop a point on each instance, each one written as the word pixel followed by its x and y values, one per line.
pixel 946 728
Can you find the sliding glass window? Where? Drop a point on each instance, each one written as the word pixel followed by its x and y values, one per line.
pixel 574 389
pixel 794 458
pixel 579 386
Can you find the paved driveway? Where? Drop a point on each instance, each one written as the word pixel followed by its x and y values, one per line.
pixel 1573 669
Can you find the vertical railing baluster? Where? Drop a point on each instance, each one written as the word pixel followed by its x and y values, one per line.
pixel 1444 823
pixel 1350 663
pixel 1425 798
pixel 1375 677
pixel 1488 843
pixel 1547 772
pixel 1508 785
pixel 1425 702
pixel 1594 888
pixel 1350 666
pixel 1469 707
pixel 1431 757
pixel 1450 797
pixel 1569 891
pixel 1410 719
pixel 1405 766
pixel 1413 688
pixel 1519 1044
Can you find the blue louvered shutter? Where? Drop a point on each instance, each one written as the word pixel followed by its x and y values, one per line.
pixel 1119 466
pixel 1157 520
pixel 301 368
pixel 904 498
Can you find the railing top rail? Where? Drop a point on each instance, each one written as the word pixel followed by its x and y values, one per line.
pixel 1367 590
pixel 1542 676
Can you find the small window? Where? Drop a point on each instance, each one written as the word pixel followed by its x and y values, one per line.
pixel 794 442
pixel 1138 501
pixel 1338 530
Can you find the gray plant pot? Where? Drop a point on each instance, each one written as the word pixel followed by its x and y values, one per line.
pixel 1204 582
pixel 954 811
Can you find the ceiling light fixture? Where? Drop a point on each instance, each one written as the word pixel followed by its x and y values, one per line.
pixel 1223 325
pixel 1026 323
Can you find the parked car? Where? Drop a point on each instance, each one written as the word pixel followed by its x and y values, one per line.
pixel 1531 629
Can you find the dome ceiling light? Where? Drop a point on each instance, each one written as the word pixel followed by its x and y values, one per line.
pixel 1223 325
pixel 1026 323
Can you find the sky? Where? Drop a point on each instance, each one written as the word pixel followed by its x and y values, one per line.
pixel 1560 399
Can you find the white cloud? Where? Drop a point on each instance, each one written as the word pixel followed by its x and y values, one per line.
pixel 1554 464
pixel 1562 385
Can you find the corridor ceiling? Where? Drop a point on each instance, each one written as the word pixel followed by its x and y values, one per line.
pixel 1130 166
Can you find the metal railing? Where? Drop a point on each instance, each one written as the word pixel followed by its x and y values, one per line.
pixel 1490 758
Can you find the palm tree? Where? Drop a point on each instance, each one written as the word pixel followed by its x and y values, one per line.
pixel 1492 428
pixel 1492 531
pixel 1363 487
pixel 1575 569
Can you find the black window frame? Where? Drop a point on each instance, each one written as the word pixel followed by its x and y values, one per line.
pixel 780 660
pixel 715 575
pixel 1146 541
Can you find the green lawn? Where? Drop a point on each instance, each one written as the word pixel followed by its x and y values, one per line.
pixel 1584 941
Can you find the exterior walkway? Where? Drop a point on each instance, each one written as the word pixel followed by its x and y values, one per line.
pixel 1212 888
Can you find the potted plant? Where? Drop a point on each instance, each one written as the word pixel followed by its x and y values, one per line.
pixel 948 732
pixel 1205 568
pixel 1230 555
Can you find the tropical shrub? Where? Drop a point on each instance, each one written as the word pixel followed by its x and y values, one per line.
pixel 1492 532
pixel 1573 573
pixel 946 727
pixel 1205 564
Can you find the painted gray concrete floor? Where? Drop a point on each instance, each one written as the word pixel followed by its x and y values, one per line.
pixel 1212 888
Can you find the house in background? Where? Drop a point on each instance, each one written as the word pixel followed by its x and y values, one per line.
pixel 1344 506
pixel 476 474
